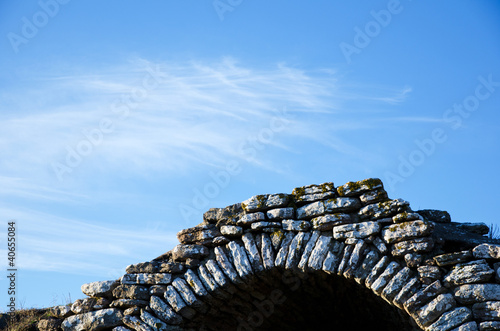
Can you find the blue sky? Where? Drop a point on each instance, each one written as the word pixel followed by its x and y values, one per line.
pixel 122 122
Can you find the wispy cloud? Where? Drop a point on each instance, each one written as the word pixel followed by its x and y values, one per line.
pixel 198 115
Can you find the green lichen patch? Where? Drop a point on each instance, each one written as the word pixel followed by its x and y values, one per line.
pixel 354 188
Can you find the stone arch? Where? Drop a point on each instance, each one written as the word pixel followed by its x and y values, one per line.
pixel 346 255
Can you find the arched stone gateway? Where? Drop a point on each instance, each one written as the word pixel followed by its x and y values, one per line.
pixel 346 257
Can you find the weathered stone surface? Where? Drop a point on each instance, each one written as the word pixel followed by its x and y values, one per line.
pixel 408 290
pixel 292 225
pixel 355 259
pixel 283 250
pixel 451 319
pixel 435 215
pixel 327 222
pixel 489 325
pixel 413 260
pixel 255 203
pixel 377 195
pixel 431 311
pixel 422 297
pixel 171 267
pixel 95 320
pixel 226 265
pixel 142 267
pixel 396 284
pixel 135 323
pixel 164 311
pixel 186 293
pixel 265 225
pixel 174 299
pixel 452 258
pixel 418 245
pixel 318 254
pixel 297 245
pixel 267 252
pixel 406 230
pixel 469 326
pixel 198 234
pixel 231 230
pixel 341 205
pixel 277 200
pixel 183 252
pixel 383 209
pixel 370 260
pixel 153 322
pixel 382 280
pixel 252 252
pixel 131 292
pixel 146 279
pixel 99 289
pixel 376 271
pixel 428 274
pixel 51 324
pixel 88 304
pixel 379 243
pixel 281 213
pixel 194 281
pixel 487 311
pixel 61 311
pixel 248 219
pixel 311 210
pixel 469 272
pixel 486 251
pixel 240 259
pixel 346 255
pixel 359 187
pixel 407 216
pixel 311 193
pixel 356 230
pixel 470 293
pixel 127 303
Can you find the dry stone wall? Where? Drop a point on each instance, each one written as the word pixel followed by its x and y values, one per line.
pixel 275 260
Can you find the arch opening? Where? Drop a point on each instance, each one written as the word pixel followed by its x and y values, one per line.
pixel 294 300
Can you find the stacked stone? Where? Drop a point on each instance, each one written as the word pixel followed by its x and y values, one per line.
pixel 352 231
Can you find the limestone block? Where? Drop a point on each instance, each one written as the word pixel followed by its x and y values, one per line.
pixel 198 234
pixel 277 200
pixel 384 278
pixel 195 283
pixel 486 311
pixel 152 321
pixel 164 311
pixel 469 272
pixel 292 225
pixel 408 290
pixel 61 311
pixel 297 245
pixel 50 324
pixel 99 289
pixel 283 250
pixel 327 222
pixel 131 292
pixel 452 319
pixel 341 204
pixel 356 230
pixel 428 274
pixel 423 296
pixel 318 254
pixel 355 259
pixel 142 267
pixel 452 258
pixel 240 259
pixel 127 303
pixel 489 325
pixel 435 215
pixel 311 210
pixel 362 186
pixel 281 213
pixel 95 320
pixel 377 195
pixel 183 252
pixel 377 271
pixel 146 279
pixel 135 323
pixel 257 226
pixel 248 219
pixel 226 265
pixel 486 251
pixel 312 193
pixel 435 308
pixel 174 299
pixel 231 230
pixel 346 256
pixel 186 293
pixel 252 252
pixel 267 252
pixel 370 260
pixel 418 245
pixel 171 267
pixel 383 209
pixel 406 216
pixel 470 293
pixel 396 284
pixel 406 230
pixel 255 203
